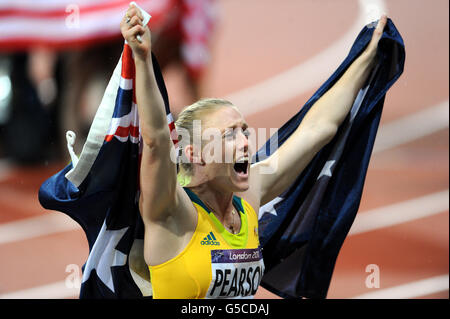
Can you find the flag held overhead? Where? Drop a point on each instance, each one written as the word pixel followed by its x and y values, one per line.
pixel 301 231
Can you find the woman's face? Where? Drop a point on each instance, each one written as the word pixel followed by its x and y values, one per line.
pixel 225 149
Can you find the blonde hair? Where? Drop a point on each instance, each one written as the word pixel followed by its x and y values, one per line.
pixel 185 120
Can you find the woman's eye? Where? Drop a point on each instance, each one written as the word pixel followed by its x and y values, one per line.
pixel 230 134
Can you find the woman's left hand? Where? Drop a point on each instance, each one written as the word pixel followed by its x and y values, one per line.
pixel 371 49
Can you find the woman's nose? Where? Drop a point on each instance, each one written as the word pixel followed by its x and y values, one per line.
pixel 242 141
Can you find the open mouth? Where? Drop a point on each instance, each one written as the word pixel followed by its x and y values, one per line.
pixel 241 167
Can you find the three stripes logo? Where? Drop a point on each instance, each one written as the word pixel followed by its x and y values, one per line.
pixel 210 240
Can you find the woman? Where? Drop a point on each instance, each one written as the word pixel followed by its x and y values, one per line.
pixel 201 240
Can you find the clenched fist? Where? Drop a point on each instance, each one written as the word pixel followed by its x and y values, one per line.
pixel 135 33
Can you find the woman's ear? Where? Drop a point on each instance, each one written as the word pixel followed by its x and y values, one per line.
pixel 193 155
pixel 189 153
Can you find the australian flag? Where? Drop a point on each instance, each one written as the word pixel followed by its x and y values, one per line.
pixel 301 231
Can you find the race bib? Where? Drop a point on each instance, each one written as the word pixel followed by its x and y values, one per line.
pixel 236 273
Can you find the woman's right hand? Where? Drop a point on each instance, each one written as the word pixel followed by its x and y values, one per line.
pixel 131 26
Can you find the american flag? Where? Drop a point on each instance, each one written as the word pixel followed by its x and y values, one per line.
pixel 68 24
pixel 301 231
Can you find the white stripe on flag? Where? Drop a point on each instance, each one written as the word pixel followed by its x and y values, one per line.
pixel 91 23
pixel 123 139
pixel 169 118
pixel 124 121
pixel 56 29
pixel 126 84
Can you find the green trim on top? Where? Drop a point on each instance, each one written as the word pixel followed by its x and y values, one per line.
pixel 237 201
pixel 236 241
pixel 196 199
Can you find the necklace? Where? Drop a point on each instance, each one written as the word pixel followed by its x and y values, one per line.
pixel 231 228
pixel 233 213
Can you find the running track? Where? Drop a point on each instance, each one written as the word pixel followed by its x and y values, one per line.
pixel 402 226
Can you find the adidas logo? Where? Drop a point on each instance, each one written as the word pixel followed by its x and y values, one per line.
pixel 210 240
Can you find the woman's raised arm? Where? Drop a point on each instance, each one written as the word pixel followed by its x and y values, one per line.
pixel 319 125
pixel 158 172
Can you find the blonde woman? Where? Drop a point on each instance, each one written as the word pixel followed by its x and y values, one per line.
pixel 201 227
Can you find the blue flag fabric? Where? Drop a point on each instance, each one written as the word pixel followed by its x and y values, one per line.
pixel 301 231
pixel 105 203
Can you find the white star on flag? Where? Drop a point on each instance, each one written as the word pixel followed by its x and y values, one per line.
pixel 326 170
pixel 269 207
pixel 104 255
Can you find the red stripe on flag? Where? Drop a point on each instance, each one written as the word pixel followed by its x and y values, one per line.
pixel 127 63
pixel 124 132
pixel 61 11
pixel 157 8
pixel 171 126
pixel 134 131
pixel 129 130
pixel 108 138
pixel 173 133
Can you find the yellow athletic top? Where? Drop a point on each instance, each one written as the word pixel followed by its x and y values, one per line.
pixel 215 263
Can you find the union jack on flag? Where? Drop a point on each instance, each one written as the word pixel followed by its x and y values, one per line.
pixel 125 119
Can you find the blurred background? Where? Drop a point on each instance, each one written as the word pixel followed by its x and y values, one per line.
pixel 267 57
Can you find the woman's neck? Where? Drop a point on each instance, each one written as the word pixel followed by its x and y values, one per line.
pixel 219 201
